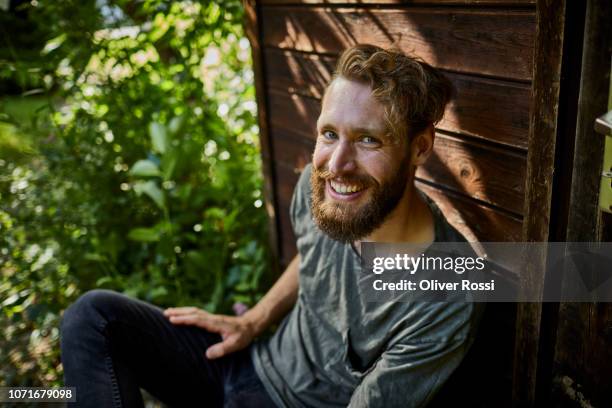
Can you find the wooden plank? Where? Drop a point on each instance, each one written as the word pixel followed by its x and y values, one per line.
pixel 295 113
pixel 508 3
pixel 585 216
pixel 584 354
pixel 494 42
pixel 476 222
pixel 540 166
pixel 583 349
pixel 488 109
pixel 494 110
pixel 253 34
pixel 295 72
pixel 493 175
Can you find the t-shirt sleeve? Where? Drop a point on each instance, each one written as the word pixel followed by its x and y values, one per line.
pixel 299 210
pixel 413 369
pixel 409 374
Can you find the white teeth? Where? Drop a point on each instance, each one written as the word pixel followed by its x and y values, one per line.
pixel 343 188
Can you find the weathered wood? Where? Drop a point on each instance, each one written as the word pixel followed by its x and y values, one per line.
pixel 294 113
pixel 448 38
pixel 583 349
pixel 584 220
pixel 296 72
pixel 540 165
pixel 488 173
pixel 476 222
pixel 252 32
pixel 492 175
pixel 489 109
pixel 493 110
pixel 586 330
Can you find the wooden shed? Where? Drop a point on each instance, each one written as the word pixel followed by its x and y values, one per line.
pixel 515 158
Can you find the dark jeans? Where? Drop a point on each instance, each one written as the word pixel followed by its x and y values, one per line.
pixel 113 345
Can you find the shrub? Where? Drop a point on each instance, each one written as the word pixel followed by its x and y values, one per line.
pixel 142 174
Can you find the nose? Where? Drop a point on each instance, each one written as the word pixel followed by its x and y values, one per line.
pixel 342 159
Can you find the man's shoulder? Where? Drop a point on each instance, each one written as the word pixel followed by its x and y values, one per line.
pixel 299 211
pixel 444 231
pixel 303 184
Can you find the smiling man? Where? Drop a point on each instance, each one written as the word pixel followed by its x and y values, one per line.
pixel 332 348
pixel 363 167
pixel 336 349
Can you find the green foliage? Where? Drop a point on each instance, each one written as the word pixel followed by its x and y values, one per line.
pixel 142 175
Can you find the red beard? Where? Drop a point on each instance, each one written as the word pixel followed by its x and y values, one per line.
pixel 349 222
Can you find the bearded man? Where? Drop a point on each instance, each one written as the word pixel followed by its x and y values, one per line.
pixel 333 348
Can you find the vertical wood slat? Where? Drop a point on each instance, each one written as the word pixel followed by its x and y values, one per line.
pixel 550 19
pixel 573 28
pixel 582 350
pixel 253 34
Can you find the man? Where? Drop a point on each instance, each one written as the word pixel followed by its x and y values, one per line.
pixel 333 349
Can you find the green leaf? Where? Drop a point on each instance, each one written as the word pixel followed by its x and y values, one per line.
pixel 151 189
pixel 54 44
pixel 159 137
pixel 158 292
pixel 168 164
pixel 175 125
pixel 105 280
pixel 144 234
pixel 196 258
pixel 90 256
pixel 160 27
pixel 214 212
pixel 144 168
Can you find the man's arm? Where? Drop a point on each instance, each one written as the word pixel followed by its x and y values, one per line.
pixel 409 374
pixel 418 362
pixel 239 331
pixel 278 301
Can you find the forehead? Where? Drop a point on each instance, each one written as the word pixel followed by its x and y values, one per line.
pixel 350 104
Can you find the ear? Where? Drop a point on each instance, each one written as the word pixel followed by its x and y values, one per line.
pixel 421 146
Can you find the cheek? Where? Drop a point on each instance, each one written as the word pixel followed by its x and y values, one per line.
pixel 379 165
pixel 320 155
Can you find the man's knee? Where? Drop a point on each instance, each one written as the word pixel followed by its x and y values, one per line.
pixel 87 311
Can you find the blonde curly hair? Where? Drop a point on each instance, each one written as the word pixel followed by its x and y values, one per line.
pixel 413 92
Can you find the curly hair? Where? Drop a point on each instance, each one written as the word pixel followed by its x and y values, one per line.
pixel 413 93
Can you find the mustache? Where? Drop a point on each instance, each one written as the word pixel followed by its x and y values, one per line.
pixel 360 179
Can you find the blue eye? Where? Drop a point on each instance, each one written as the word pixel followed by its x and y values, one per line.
pixel 370 140
pixel 329 135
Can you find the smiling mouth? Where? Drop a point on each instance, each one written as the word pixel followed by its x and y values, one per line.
pixel 345 188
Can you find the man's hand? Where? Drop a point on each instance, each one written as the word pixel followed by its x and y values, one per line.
pixel 236 332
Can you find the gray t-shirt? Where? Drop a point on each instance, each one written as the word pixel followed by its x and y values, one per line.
pixel 334 349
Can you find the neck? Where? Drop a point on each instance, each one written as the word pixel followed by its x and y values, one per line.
pixel 410 221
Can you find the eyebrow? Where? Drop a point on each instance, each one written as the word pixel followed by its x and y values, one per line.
pixel 381 132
